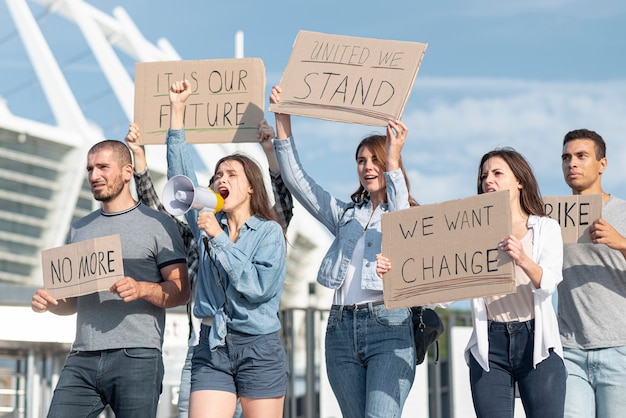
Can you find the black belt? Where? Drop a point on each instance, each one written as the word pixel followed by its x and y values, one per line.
pixel 357 306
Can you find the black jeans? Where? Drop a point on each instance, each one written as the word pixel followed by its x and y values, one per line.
pixel 541 389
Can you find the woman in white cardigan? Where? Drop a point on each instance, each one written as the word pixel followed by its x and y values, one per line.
pixel 515 342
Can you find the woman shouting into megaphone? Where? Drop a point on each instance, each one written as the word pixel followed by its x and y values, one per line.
pixel 240 280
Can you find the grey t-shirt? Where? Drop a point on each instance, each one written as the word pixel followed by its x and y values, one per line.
pixel 592 295
pixel 150 241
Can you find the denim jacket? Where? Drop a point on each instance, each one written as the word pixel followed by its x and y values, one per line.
pixel 346 221
pixel 239 287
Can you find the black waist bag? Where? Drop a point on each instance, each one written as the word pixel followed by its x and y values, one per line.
pixel 427 328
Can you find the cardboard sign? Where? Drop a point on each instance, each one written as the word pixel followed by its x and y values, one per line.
pixel 82 267
pixel 575 214
pixel 349 79
pixel 448 251
pixel 226 103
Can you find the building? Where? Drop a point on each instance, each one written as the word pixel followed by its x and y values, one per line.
pixel 43 189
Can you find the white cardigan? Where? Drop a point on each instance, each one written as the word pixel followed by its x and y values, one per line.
pixel 547 253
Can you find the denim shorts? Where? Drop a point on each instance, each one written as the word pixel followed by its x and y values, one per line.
pixel 252 366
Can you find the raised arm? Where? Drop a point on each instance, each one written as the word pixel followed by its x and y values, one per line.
pixel 179 93
pixel 396 137
pixel 133 141
pixel 283 200
pixel 266 134
pixel 283 120
pixel 143 181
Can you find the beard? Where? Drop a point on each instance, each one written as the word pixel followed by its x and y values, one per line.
pixel 110 192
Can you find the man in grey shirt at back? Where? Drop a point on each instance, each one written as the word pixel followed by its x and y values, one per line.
pixel 592 295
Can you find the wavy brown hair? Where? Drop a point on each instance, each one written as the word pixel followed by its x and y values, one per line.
pixel 377 144
pixel 530 197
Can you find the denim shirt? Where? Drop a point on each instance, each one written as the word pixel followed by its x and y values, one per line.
pixel 240 285
pixel 347 221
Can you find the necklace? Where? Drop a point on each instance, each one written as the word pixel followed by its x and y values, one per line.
pixel 369 220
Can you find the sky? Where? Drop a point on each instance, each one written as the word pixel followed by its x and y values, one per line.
pixel 496 73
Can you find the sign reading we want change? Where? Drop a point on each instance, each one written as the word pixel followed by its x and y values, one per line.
pixel 82 267
pixel 349 79
pixel 226 102
pixel 448 251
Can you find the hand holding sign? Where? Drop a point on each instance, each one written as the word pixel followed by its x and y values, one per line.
pixel 383 265
pixel 41 300
pixel 447 251
pixel 575 214
pixel 349 79
pixel 81 268
pixel 226 104
pixel 396 137
pixel 603 232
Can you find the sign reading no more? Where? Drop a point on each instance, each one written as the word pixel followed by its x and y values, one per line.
pixel 82 267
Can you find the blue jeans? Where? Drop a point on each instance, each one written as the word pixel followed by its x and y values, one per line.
pixel 184 390
pixel 129 380
pixel 370 360
pixel 541 389
pixel 596 382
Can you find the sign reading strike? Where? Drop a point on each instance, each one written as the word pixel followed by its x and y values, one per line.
pixel 226 103
pixel 575 214
pixel 349 79
pixel 448 251
pixel 82 267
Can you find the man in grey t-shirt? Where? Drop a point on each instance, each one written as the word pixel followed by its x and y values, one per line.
pixel 592 295
pixel 116 356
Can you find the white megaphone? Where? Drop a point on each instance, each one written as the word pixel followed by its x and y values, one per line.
pixel 180 195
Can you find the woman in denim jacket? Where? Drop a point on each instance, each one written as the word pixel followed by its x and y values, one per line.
pixel 370 354
pixel 240 279
pixel 515 341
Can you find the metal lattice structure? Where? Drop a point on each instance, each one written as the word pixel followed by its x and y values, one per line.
pixel 43 185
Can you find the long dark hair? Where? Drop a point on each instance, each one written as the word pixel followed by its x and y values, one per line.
pixel 259 200
pixel 378 146
pixel 530 197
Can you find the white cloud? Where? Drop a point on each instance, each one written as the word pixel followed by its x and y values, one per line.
pixel 453 122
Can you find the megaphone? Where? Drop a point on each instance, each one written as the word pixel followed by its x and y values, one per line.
pixel 180 195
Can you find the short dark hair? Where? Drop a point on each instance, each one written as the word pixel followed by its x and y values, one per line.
pixel 588 134
pixel 120 150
